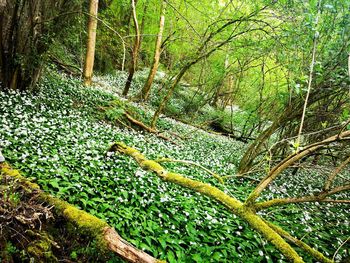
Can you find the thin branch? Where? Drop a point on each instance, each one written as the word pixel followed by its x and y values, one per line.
pixel 183 17
pixel 331 178
pixel 218 177
pixel 336 252
pixel 310 75
pixel 320 197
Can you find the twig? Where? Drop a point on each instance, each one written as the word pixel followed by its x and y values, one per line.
pixel 218 177
pixel 342 244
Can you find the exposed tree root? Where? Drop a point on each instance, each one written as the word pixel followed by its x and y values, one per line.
pixel 107 238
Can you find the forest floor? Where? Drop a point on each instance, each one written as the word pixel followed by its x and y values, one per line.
pixel 58 137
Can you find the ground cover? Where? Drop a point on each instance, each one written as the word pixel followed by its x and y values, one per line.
pixel 58 138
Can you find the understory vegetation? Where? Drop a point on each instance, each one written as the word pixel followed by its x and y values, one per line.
pixel 59 139
pixel 162 131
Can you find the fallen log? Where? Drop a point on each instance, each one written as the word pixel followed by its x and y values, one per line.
pixel 231 203
pixel 106 236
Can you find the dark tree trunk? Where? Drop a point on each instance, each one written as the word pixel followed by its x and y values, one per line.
pixel 24 38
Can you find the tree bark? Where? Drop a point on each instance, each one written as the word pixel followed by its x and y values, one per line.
pixel 91 42
pixel 135 51
pixel 25 33
pixel 20 47
pixel 147 87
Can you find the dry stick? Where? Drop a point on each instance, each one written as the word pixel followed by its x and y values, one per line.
pixel 231 203
pixel 317 255
pixel 107 237
pixel 164 160
pixel 310 76
pixel 287 162
pixel 304 199
pixel 344 126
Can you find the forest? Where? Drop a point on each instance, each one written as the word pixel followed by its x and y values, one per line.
pixel 174 131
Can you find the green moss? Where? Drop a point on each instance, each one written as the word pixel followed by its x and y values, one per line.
pixel 242 210
pixel 257 223
pixel 85 223
pixel 41 250
pixel 8 171
pixel 152 166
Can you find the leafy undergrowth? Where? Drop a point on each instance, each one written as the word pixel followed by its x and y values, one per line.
pixel 58 139
pixel 186 103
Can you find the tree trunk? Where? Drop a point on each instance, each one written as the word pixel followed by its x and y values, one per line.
pixel 91 42
pixel 135 51
pixel 20 46
pixel 147 87
pixel 169 94
pixel 143 22
pixel 23 23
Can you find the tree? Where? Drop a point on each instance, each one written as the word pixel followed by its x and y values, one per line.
pixel 157 50
pixel 327 102
pixel 26 28
pixel 91 42
pixel 135 50
pixel 217 35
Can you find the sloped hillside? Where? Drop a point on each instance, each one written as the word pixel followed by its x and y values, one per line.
pixel 58 137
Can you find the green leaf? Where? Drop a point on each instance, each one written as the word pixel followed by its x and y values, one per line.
pixel 171 257
pixel 197 258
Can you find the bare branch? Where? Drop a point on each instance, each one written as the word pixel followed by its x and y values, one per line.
pixel 287 162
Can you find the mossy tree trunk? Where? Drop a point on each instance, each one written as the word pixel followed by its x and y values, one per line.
pixel 106 236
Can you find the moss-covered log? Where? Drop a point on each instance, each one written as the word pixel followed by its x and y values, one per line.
pixel 106 236
pixel 234 205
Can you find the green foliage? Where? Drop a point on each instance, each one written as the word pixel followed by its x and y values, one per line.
pixel 56 137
